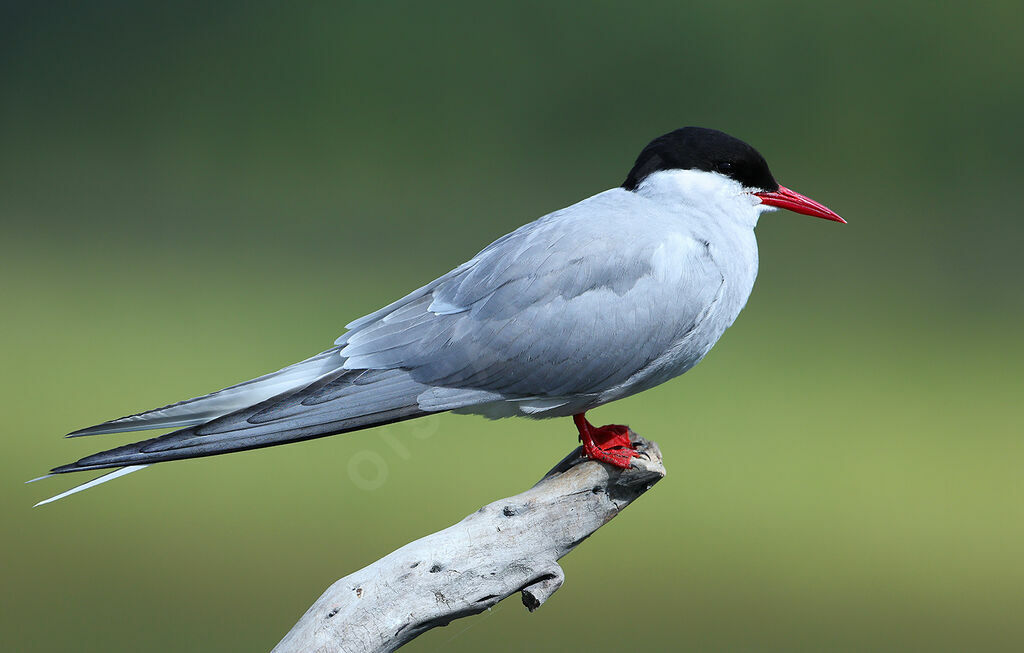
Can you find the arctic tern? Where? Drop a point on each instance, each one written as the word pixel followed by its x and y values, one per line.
pixel 598 301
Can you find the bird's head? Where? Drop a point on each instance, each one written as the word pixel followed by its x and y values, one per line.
pixel 721 155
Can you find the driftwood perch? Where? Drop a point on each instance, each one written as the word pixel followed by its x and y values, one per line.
pixel 508 546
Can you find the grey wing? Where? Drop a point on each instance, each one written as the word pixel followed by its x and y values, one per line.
pixel 199 410
pixel 561 307
pixel 336 403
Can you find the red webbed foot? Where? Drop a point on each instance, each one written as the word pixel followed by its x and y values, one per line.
pixel 607 444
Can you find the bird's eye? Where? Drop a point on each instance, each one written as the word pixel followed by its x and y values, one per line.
pixel 725 167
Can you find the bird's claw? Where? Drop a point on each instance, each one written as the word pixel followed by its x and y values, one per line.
pixel 617 455
pixel 608 444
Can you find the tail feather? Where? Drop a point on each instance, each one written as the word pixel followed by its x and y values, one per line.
pixel 93 483
pixel 200 410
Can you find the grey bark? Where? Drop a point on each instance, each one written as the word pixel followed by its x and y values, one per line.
pixel 508 546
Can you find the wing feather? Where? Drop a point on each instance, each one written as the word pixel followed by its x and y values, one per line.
pixel 552 309
pixel 334 404
pixel 203 409
pixel 571 305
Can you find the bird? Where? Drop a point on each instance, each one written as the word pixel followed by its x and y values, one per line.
pixel 597 301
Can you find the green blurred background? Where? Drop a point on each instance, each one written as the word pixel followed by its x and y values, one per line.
pixel 196 194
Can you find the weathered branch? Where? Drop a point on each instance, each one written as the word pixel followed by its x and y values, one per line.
pixel 508 546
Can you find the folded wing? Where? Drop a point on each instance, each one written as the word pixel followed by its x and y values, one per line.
pixel 339 402
pixel 567 306
pixel 203 409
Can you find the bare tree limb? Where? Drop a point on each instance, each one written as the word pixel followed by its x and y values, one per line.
pixel 508 546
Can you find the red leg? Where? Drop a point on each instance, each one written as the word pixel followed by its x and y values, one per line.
pixel 608 444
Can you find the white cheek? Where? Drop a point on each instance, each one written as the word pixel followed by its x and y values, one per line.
pixel 705 196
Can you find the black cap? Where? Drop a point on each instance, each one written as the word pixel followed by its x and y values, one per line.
pixel 699 148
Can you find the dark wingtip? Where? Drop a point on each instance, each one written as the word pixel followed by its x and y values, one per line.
pixel 89 430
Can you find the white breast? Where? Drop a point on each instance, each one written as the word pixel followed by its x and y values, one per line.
pixel 715 218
